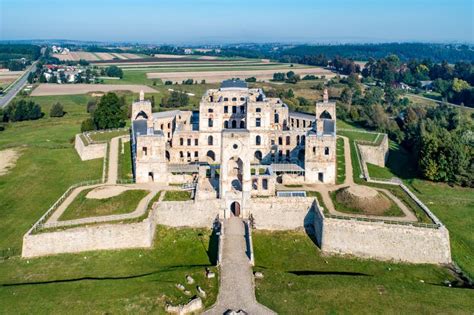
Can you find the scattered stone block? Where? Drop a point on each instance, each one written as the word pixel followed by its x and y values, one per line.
pixel 210 274
pixel 201 292
pixel 192 307
pixel 187 292
pixel 180 287
pixel 258 275
pixel 189 279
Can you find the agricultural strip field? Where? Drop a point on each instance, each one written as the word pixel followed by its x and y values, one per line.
pixel 8 77
pixel 226 73
pixel 96 56
pixel 66 89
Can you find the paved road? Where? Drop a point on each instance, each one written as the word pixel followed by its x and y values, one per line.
pixel 236 289
pixel 18 85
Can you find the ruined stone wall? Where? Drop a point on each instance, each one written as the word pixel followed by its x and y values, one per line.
pixel 188 213
pixel 281 213
pixel 377 240
pixel 377 155
pixel 80 239
pixel 91 151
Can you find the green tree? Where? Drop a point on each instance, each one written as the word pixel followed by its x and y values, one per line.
pixel 114 71
pixel 87 125
pixel 57 110
pixel 459 85
pixel 109 112
pixel 346 96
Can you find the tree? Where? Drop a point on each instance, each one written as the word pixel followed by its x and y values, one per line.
pixel 91 105
pixel 114 71
pixel 346 96
pixel 176 99
pixel 459 85
pixel 31 77
pixel 279 76
pixel 251 79
pixel 22 110
pixel 109 112
pixel 57 110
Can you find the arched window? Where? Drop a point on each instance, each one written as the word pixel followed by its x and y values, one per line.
pixel 242 99
pixel 181 154
pixel 276 118
pixel 234 99
pixel 258 140
pixel 226 99
pixel 210 110
pixel 210 122
pixel 258 110
pixel 298 140
pixel 280 140
pixel 326 150
pixel 288 140
pixel 242 124
pixel 234 124
pixel 325 115
pixel 303 138
pixel 258 155
pixel 210 140
pixel 226 124
pixel 210 154
pixel 265 184
pixel 167 155
pixel 181 141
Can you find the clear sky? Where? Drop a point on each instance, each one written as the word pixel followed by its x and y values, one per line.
pixel 217 21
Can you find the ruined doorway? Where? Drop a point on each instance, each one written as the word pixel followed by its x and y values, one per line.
pixel 321 177
pixel 150 177
pixel 235 208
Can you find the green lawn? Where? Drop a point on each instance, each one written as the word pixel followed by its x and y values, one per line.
pixel 177 195
pixel 125 161
pixel 341 162
pixel 138 281
pixel 298 277
pixel 83 207
pixel 107 136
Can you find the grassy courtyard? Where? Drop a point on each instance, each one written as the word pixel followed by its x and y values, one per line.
pixel 83 207
pixel 135 281
pixel 125 161
pixel 340 162
pixel 298 277
pixel 177 195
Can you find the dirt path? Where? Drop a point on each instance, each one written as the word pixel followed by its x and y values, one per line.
pixel 113 160
pixel 236 288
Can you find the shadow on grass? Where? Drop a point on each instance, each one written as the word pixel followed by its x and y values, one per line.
pixel 331 273
pixel 168 269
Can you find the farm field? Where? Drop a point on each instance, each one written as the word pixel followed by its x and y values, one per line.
pixel 96 56
pixel 67 89
pixel 8 77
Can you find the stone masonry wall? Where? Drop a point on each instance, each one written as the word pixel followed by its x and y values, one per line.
pixel 188 213
pixel 281 213
pixel 80 239
pixel 91 151
pixel 382 241
pixel 377 155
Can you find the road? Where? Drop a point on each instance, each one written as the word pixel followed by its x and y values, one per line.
pixel 17 86
pixel 433 100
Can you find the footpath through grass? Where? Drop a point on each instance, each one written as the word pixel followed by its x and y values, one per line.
pixel 297 278
pixel 137 281
pixel 83 207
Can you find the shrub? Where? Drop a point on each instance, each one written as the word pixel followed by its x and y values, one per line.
pixel 87 125
pixel 251 79
pixel 22 110
pixel 168 82
pixel 57 110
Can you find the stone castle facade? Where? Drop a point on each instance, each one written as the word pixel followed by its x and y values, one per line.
pixel 240 143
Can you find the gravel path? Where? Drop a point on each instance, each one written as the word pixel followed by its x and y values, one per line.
pixel 113 160
pixel 236 289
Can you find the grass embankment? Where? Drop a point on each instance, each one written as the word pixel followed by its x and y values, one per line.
pixel 453 205
pixel 137 281
pixel 298 277
pixel 107 135
pixel 177 195
pixel 83 207
pixel 125 161
pixel 340 162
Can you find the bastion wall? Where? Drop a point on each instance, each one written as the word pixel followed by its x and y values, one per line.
pixel 372 154
pixel 91 151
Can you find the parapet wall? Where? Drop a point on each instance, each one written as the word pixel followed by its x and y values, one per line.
pixel 281 213
pixel 91 151
pixel 188 213
pixel 372 154
pixel 88 238
pixel 378 240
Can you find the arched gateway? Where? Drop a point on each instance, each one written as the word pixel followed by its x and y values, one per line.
pixel 235 208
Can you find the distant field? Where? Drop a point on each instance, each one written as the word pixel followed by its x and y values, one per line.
pixel 65 89
pixel 8 77
pixel 212 76
pixel 97 56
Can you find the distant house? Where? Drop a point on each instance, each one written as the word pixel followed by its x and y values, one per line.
pixel 188 51
pixel 427 85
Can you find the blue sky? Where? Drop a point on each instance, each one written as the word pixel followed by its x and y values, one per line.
pixel 215 21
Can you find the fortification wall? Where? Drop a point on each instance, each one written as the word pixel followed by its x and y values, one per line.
pixel 80 239
pixel 382 241
pixel 188 213
pixel 281 213
pixel 91 151
pixel 377 155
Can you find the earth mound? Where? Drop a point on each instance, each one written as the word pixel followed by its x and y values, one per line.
pixel 363 198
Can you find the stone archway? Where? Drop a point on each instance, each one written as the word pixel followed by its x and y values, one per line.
pixel 235 173
pixel 235 209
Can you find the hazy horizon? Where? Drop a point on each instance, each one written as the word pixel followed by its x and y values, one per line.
pixel 225 21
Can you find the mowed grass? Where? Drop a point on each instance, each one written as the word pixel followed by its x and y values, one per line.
pixel 298 279
pixel 83 207
pixel 453 205
pixel 177 195
pixel 340 162
pixel 125 161
pixel 138 281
